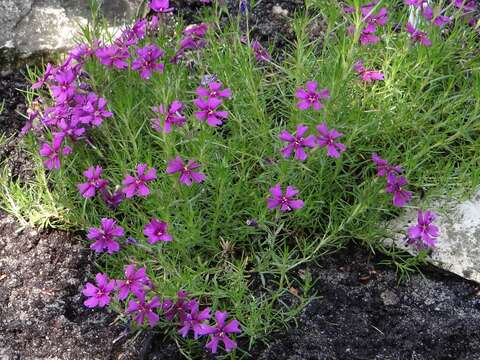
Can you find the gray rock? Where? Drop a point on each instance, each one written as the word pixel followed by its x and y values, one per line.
pixel 458 246
pixel 30 27
pixel 389 298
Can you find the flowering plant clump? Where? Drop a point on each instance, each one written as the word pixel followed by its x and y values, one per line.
pixel 204 168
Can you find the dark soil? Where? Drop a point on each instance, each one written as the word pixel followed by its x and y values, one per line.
pixel 41 310
pixel 365 313
pixel 269 21
pixel 17 161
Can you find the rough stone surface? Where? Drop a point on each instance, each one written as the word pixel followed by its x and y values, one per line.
pixel 458 246
pixel 44 26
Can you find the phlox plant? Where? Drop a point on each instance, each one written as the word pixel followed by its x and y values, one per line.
pixel 205 167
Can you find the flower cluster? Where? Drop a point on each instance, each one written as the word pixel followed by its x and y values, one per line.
pixel 145 307
pixel 325 138
pixel 371 21
pixel 469 9
pixel 209 101
pixel 105 237
pixel 395 183
pixel 193 39
pixel 74 109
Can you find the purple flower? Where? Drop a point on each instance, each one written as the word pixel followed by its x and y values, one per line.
pixel 112 200
pixel 381 18
pixel 367 75
pixel 94 110
pixel 63 88
pixel 196 30
pixel 136 185
pixel 297 143
pixel 193 39
pixel 367 35
pixel 105 236
pixel 69 127
pixel 310 96
pixel 418 36
pixel 52 152
pixel 327 138
pixel 261 54
pixel 284 201
pixel 208 111
pixel 93 173
pixel 147 61
pixel 171 117
pixel 144 310
pixel 180 307
pixel 113 55
pixel 220 332
pixel 135 282
pixel 441 20
pixel 98 295
pixel 29 124
pixel 156 230
pixel 383 168
pixel 424 234
pixel 161 6
pixel 48 73
pixel 468 6
pixel 194 320
pixel 395 186
pixel 187 176
pixel 214 91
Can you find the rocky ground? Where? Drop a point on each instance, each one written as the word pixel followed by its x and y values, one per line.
pixel 362 312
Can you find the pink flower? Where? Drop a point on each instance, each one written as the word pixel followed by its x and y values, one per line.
pixel 208 111
pixel 171 117
pixel 424 234
pixel 144 309
pixel 180 307
pixel 156 230
pixel 105 236
pixel 367 75
pixel 261 54
pixel 297 143
pixel 367 35
pixel 137 185
pixel 214 91
pixel 135 282
pixel 395 186
pixel 327 138
pixel 418 36
pixel 220 332
pixel 53 151
pixel 309 97
pixel 187 175
pixel 98 295
pixel 148 61
pixel 384 168
pixel 161 6
pixel 113 55
pixel 194 319
pixel 284 201
pixel 94 182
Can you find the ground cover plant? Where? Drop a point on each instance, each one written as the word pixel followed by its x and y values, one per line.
pixel 204 166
